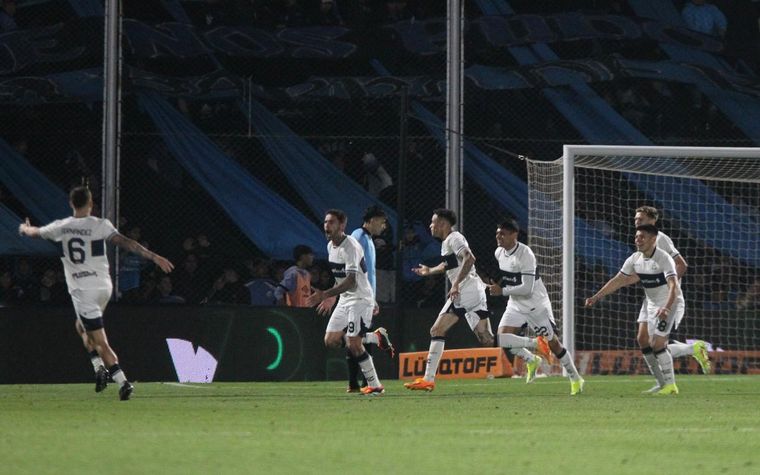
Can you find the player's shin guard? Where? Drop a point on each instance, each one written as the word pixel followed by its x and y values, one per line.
pixel 508 340
pixel 368 368
pixel 434 357
pixel 117 374
pixel 95 360
pixel 567 363
pixel 665 361
pixel 653 365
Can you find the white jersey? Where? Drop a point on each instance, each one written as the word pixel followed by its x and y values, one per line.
pixel 347 257
pixel 653 272
pixel 451 254
pixel 666 244
pixel 514 264
pixel 83 250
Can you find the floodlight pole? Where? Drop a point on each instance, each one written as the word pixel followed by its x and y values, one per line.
pixel 111 124
pixel 454 97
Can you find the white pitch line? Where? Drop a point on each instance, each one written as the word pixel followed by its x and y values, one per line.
pixel 185 385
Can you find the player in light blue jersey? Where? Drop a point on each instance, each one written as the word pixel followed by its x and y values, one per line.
pixel 374 222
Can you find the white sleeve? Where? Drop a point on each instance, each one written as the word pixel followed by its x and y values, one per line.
pixel 528 275
pixel 667 265
pixel 52 231
pixel 525 288
pixel 108 229
pixel 627 268
pixel 353 258
pixel 666 244
pixel 458 243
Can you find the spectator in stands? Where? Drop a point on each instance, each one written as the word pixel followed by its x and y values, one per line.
pixel 750 299
pixel 189 245
pixel 288 14
pixel 26 281
pixel 7 14
pixel 376 178
pixel 315 272
pixel 261 287
pixel 412 254
pixel 10 293
pixel 326 280
pixel 705 18
pixel 52 290
pixel 295 287
pixel 190 282
pixel 204 248
pixel 395 10
pixel 165 292
pixel 228 288
pixel 327 14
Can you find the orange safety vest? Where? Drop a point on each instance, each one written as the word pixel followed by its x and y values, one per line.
pixel 297 297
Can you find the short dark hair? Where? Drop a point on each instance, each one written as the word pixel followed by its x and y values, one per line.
pixel 338 214
pixel 80 196
pixel 446 214
pixel 301 250
pixel 374 211
pixel 650 211
pixel 647 228
pixel 509 225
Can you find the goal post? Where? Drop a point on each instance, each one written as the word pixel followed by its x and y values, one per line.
pixel 581 228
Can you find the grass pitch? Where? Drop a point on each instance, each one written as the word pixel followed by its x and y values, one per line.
pixel 463 427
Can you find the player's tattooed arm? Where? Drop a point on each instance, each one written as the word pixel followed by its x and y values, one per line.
pixel 136 248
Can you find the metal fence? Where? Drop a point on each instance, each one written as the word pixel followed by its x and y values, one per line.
pixel 335 81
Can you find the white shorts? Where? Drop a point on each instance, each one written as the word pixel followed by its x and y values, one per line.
pixel 643 314
pixel 89 305
pixel 354 318
pixel 471 305
pixel 540 320
pixel 658 327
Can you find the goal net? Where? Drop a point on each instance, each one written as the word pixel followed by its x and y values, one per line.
pixel 581 229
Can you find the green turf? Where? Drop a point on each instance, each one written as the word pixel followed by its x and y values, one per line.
pixel 483 426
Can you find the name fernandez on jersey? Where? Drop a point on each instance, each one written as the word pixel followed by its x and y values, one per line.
pixel 78 232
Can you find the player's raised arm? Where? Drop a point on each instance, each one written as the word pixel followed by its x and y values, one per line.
pixel 136 248
pixel 26 229
pixel 612 285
